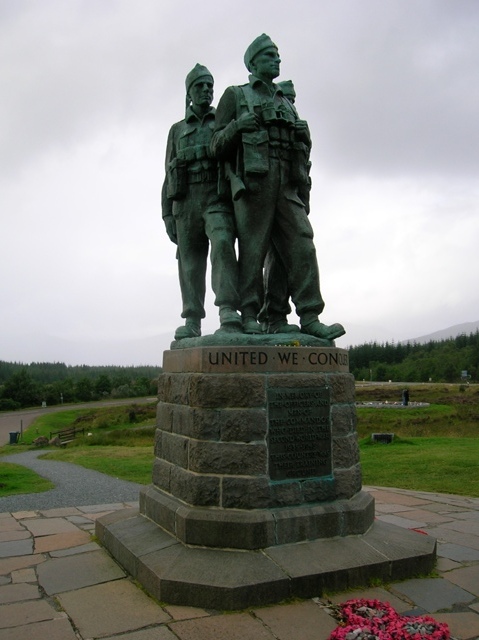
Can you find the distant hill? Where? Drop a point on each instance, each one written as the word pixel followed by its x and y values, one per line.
pixel 451 332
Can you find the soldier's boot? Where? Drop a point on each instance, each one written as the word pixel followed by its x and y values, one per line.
pixel 319 330
pixel 279 324
pixel 191 329
pixel 230 320
pixel 250 323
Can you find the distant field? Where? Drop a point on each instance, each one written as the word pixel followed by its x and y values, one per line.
pixel 435 448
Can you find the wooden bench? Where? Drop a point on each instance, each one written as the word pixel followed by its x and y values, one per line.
pixel 67 435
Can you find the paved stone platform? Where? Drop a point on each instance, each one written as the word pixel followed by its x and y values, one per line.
pixel 56 583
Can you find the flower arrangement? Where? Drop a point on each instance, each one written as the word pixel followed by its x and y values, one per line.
pixel 375 620
pixel 420 627
pixel 363 611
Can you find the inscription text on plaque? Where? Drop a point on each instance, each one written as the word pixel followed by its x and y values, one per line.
pixel 299 432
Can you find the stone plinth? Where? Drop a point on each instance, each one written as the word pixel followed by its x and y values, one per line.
pixel 256 472
pixel 257 446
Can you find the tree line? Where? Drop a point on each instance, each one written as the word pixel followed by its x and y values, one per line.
pixel 435 361
pixel 29 385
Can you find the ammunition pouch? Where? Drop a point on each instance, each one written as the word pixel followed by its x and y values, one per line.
pixel 176 179
pixel 255 152
pixel 299 170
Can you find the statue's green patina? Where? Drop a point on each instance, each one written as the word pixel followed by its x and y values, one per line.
pixel 195 216
pixel 260 196
pixel 260 138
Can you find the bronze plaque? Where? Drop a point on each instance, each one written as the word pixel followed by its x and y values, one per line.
pixel 299 434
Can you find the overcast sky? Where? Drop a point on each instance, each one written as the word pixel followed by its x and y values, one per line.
pixel 90 88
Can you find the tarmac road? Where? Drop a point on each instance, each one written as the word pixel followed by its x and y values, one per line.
pixel 21 419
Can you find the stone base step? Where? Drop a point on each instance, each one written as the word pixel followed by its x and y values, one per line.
pixel 230 579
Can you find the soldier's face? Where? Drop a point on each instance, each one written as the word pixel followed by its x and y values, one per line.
pixel 266 63
pixel 201 92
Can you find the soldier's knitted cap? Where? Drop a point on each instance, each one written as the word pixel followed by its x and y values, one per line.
pixel 259 44
pixel 198 71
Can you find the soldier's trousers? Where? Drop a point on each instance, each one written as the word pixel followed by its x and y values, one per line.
pixel 271 212
pixel 201 220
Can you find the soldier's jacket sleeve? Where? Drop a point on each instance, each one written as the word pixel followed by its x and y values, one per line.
pixel 226 136
pixel 305 137
pixel 167 203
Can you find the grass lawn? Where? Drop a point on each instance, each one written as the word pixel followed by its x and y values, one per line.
pixel 17 479
pixel 127 463
pixel 435 448
pixel 443 465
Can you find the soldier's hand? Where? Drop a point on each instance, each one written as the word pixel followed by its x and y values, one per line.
pixel 301 125
pixel 170 224
pixel 248 122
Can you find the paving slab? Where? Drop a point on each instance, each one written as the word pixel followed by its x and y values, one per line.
pixel 433 594
pixel 84 548
pixel 59 629
pixel 60 512
pixel 101 508
pixel 22 515
pixel 457 552
pixel 237 626
pixel 8 565
pixel 18 592
pixel 429 517
pixel 128 609
pixel 440 507
pixel 155 633
pixel 24 575
pixel 57 541
pixel 79 520
pixel 178 612
pixel 390 508
pixel 443 534
pixel 392 497
pixel 468 515
pixel 305 620
pixel 75 572
pixel 19 534
pixel 464 526
pixel 18 614
pixel 444 564
pixel 16 548
pixel 69 568
pixel 399 521
pixel 448 498
pixel 49 526
pixel 415 611
pixel 9 523
pixel 466 577
pixel 461 625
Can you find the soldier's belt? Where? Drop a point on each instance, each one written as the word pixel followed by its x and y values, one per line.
pixel 202 176
pixel 279 153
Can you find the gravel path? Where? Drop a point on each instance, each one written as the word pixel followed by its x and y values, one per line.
pixel 75 486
